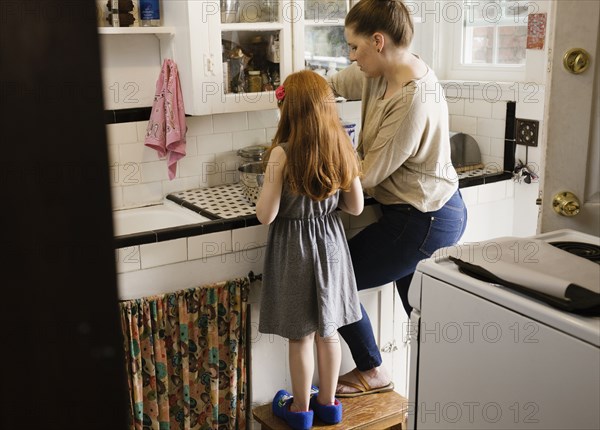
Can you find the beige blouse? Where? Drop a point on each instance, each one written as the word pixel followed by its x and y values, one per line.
pixel 404 140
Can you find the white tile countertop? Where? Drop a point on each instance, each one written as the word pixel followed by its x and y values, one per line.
pixel 228 209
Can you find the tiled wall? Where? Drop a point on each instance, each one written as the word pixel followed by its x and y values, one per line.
pixel 139 177
pixel 483 120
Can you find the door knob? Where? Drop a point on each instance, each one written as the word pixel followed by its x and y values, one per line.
pixel 566 204
pixel 576 60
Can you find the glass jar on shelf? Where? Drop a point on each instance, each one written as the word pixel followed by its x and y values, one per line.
pixel 248 50
pixel 254 81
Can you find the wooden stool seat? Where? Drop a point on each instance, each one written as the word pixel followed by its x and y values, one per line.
pixel 369 412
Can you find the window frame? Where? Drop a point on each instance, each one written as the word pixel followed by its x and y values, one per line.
pixel 448 53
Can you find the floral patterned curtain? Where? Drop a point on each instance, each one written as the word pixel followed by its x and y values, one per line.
pixel 186 358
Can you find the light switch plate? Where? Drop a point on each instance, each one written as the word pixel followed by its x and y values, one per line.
pixel 527 132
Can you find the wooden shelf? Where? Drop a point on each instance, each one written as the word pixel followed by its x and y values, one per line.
pixel 137 30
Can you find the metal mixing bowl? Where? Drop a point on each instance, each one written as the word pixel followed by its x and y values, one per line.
pixel 251 177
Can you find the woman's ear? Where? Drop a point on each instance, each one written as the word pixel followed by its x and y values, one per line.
pixel 379 40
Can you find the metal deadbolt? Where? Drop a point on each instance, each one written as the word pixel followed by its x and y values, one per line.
pixel 566 204
pixel 576 60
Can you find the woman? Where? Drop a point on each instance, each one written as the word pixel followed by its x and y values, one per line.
pixel 405 148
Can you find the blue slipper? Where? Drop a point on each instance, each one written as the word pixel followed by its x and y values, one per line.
pixel 296 420
pixel 330 414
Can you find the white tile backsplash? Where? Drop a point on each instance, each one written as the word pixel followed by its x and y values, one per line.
pixel 484 143
pixel 179 184
pixel 116 195
pixel 141 130
pixel 531 101
pixel 262 119
pixel 137 152
pixel 463 124
pixel 153 172
pixel 142 194
pixel 478 108
pixel 113 154
pixel 199 125
pixel 191 148
pixel 122 133
pixel 201 165
pixel 499 110
pixel 497 147
pixel 245 138
pixel 215 143
pixel 456 106
pixel 229 122
pixel 140 176
pixel 491 127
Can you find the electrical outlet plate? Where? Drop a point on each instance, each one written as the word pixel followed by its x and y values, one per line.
pixel 527 132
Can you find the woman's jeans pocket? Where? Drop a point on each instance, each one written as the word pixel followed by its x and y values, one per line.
pixel 442 232
pixel 446 225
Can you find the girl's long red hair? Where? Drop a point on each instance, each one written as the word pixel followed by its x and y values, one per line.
pixel 320 156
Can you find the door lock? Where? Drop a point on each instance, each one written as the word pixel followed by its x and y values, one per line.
pixel 566 204
pixel 576 60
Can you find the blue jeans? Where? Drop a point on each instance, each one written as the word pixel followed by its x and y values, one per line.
pixel 388 251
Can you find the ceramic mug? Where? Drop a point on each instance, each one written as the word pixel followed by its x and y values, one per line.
pixel 350 128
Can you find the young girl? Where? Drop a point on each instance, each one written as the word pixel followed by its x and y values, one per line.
pixel 309 290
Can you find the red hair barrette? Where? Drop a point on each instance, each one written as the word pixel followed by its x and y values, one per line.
pixel 280 93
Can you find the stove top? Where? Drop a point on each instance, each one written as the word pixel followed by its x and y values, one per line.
pixel 442 268
pixel 588 251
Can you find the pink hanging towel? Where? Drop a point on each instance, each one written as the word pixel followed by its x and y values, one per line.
pixel 167 128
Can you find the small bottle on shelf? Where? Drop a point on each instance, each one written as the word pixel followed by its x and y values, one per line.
pixel 254 81
pixel 150 13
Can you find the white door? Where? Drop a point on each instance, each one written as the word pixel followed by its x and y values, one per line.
pixel 572 118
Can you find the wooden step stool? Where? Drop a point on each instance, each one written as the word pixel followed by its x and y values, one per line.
pixel 369 412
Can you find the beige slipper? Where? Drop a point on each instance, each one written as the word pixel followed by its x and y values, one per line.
pixel 364 388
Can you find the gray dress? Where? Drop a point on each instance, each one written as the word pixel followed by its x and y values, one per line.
pixel 308 281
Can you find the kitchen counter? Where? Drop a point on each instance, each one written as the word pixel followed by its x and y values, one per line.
pixel 228 210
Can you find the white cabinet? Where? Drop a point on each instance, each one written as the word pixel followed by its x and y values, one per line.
pixel 215 48
pixel 390 328
pixel 131 60
pixel 216 43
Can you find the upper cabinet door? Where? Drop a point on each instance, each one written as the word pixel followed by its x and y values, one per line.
pixel 231 54
pixel 319 42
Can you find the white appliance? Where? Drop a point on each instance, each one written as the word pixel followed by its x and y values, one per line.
pixel 484 356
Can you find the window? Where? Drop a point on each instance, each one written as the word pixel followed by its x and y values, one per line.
pixel 480 40
pixel 494 32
